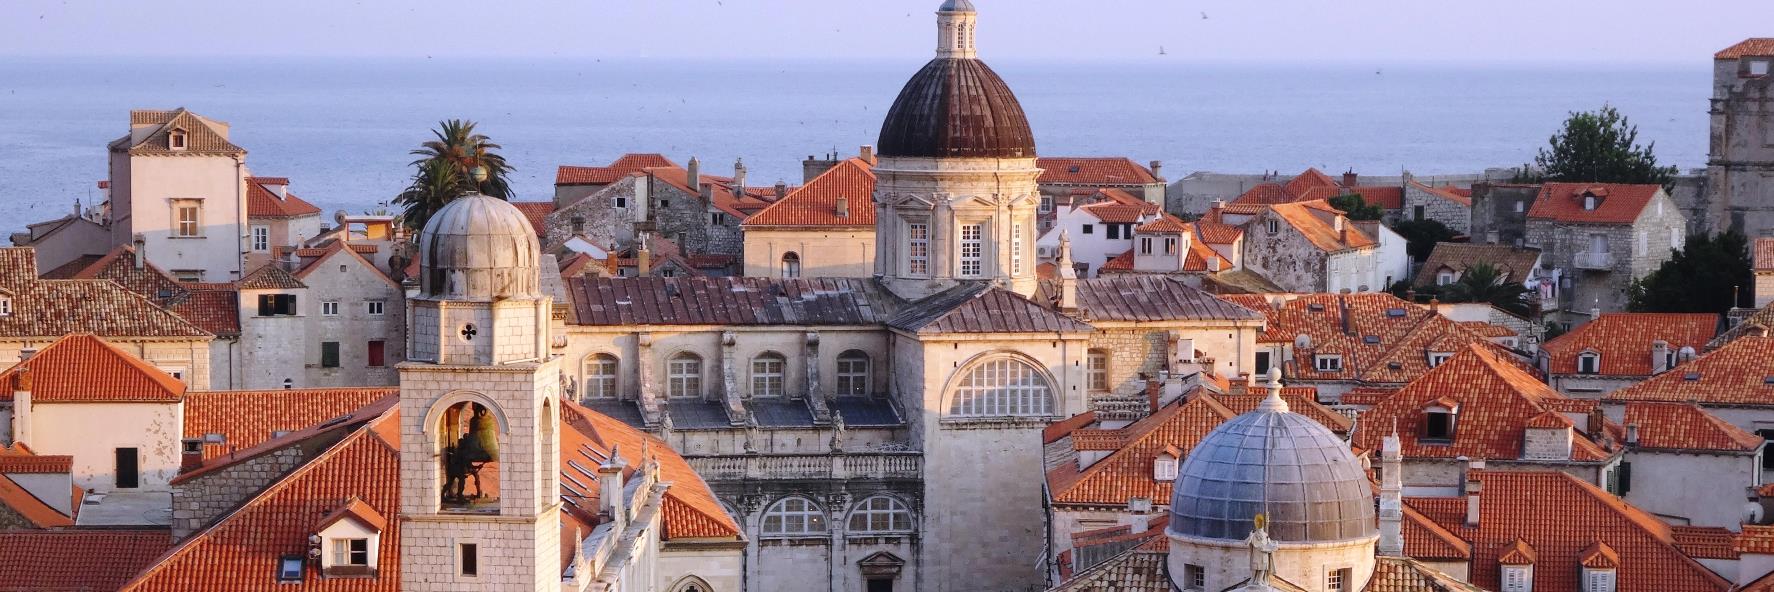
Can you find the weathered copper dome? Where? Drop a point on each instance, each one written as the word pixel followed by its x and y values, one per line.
pixel 956 107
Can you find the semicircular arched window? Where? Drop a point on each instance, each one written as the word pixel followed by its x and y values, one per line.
pixel 793 516
pixel 1002 387
pixel 880 514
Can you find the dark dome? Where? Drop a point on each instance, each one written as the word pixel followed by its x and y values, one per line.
pixel 1283 464
pixel 956 107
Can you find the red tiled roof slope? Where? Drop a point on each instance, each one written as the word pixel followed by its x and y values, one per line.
pixel 1624 339
pixel 1739 373
pixel 816 203
pixel 1754 46
pixel 248 418
pixel 76 560
pixel 1100 171
pixel 83 368
pixel 1620 203
pixel 626 165
pixel 261 202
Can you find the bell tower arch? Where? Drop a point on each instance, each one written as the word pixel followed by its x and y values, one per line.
pixel 478 402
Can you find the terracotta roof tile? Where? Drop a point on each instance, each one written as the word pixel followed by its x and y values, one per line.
pixel 1682 426
pixel 1099 171
pixel 1620 203
pixel 1624 339
pixel 1705 542
pixel 1764 254
pixel 201 136
pixel 1754 46
pixel 1403 574
pixel 690 510
pixel 1425 539
pixel 52 308
pixel 816 203
pixel 1386 196
pixel 273 277
pixel 536 212
pixel 1382 339
pixel 1320 232
pixel 1166 223
pixel 1312 178
pixel 1516 264
pixel 1755 538
pixel 76 560
pixel 1128 471
pixel 1215 233
pixel 1446 193
pixel 262 202
pixel 19 459
pixel 1262 194
pixel 1512 508
pixel 83 368
pixel 1303 400
pixel 212 307
pixel 1739 373
pixel 248 418
pixel 728 301
pixel 1496 400
pixel 626 165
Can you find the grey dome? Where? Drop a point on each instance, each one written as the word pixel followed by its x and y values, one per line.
pixel 1282 464
pixel 956 6
pixel 479 248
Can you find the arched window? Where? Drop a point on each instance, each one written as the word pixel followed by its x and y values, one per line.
pixel 791 265
pixel 853 373
pixel 692 584
pixel 470 433
pixel 880 514
pixel 766 374
pixel 1002 386
pixel 684 375
pixel 793 516
pixel 600 376
pixel 1097 370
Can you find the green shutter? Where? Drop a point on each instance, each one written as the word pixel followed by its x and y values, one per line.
pixel 329 354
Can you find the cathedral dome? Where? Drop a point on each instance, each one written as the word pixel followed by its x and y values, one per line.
pixel 1278 463
pixel 956 106
pixel 479 248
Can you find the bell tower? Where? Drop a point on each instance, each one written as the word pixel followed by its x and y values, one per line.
pixel 479 409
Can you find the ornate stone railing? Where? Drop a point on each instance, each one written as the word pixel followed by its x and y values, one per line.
pixel 867 465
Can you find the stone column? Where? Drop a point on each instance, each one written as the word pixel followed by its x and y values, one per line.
pixel 1002 227
pixel 839 563
pixel 942 237
pixel 819 399
pixel 730 394
pixel 652 406
pixel 887 231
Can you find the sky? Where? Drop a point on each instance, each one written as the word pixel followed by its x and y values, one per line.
pixel 1225 31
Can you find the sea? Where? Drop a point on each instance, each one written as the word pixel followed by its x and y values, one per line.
pixel 342 130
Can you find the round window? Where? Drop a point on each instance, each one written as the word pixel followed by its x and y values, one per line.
pixel 468 332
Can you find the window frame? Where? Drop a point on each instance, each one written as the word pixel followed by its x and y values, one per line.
pixel 769 375
pixel 346 552
pixel 1016 248
pixel 791 265
pixel 261 238
pixel 375 308
pixel 811 517
pixel 918 249
pixel 595 381
pixel 284 568
pixel 179 206
pixel 1589 363
pixel 329 308
pixel 1145 245
pixel 1000 387
pixel 850 380
pixel 885 507
pixel 1194 578
pixel 376 353
pixel 970 250
pixel 330 354
pixel 1096 370
pixel 1328 362
pixel 684 376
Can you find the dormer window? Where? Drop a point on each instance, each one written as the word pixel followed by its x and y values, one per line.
pixel 1590 201
pixel 1436 358
pixel 1518 578
pixel 1589 363
pixel 348 540
pixel 5 305
pixel 176 139
pixel 1164 468
pixel 1328 362
pixel 1439 420
pixel 1444 277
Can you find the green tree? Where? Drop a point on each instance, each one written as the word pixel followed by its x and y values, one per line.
pixel 1356 208
pixel 456 162
pixel 1701 277
pixel 1483 282
pixel 1602 147
pixel 1421 235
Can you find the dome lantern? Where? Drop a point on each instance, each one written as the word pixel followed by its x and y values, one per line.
pixel 479 248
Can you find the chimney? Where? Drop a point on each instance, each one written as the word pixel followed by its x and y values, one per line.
pixel 707 191
pixel 1659 356
pixel 693 173
pixel 1491 237
pixel 739 177
pixel 609 477
pixel 1595 313
pixel 21 404
pixel 643 259
pixel 1068 277
pixel 1473 488
pixel 141 248
pixel 1349 178
pixel 867 154
pixel 781 190
pixel 1632 434
pixel 843 207
pixel 1594 424
pixel 1157 167
pixel 1391 497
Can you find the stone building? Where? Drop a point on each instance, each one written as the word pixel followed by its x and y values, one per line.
pixel 1441 204
pixel 1740 160
pixel 1603 237
pixel 276 218
pixel 1064 179
pixel 1099 226
pixel 825 228
pixel 1500 213
pixel 701 217
pixel 573 183
pixel 1620 349
pixel 1309 246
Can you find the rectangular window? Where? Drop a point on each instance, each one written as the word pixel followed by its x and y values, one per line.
pixel 261 239
pixel 1114 230
pixel 918 249
pixel 1417 213
pixel 766 377
pixel 1588 364
pixel 470 561
pixel 378 356
pixel 329 309
pixel 1435 359
pixel 1170 246
pixel 351 552
pixel 1145 245
pixel 1338 581
pixel 972 247
pixel 187 275
pixel 1098 371
pixel 187 217
pixel 1329 363
pixel 1438 425
pixel 621 202
pixel 1262 363
pixel 1758 68
pixel 289 568
pixel 329 354
pixel 1087 229
pixel 1274 227
pixel 128 468
pixel 373 308
pixel 600 377
pixel 1046 204
pixel 853 375
pixel 277 305
pixel 1194 577
pixel 714 219
pixel 1016 249
pixel 1675 238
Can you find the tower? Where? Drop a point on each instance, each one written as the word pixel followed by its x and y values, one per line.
pixel 955 190
pixel 478 409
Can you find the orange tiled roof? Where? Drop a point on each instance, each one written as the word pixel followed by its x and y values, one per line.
pixel 1241 399
pixel 1512 508
pixel 1739 373
pixel 1424 539
pixel 1517 552
pixel 740 204
pixel 1099 171
pixel 1764 254
pixel 1312 178
pixel 1127 472
pixel 1757 539
pixel 1386 196
pixel 211 307
pixel 1262 194
pixel 1321 233
pixel 76 560
pixel 19 459
pixel 1754 46
pixel 1515 263
pixel 261 202
pixel 626 165
pixel 26 505
pixel 47 309
pixel 1166 224
pixel 248 418
pixel 1496 400
pixel 1705 542
pixel 82 368
pixel 1216 233
pixel 816 203
pixel 201 137
pixel 535 212
pixel 1682 426
pixel 272 276
pixel 1382 339
pixel 1624 340
pixel 690 509
pixel 1620 203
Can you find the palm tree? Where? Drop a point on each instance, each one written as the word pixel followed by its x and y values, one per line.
pixel 1483 282
pixel 458 161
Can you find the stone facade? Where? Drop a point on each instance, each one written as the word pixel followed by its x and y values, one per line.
pixel 1740 164
pixel 1499 212
pixel 941 198
pixel 823 252
pixel 1635 250
pixel 367 311
pixel 1420 203
pixel 606 218
pixel 200 500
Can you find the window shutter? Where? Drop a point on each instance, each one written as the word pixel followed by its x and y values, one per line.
pixel 286 304
pixel 1625 477
pixel 377 357
pixel 329 354
pixel 267 305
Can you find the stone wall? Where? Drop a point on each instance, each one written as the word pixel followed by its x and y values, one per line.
pixel 1502 210
pixel 1740 173
pixel 835 252
pixel 10 519
pixel 1455 216
pixel 1637 249
pixel 198 501
pixel 353 284
pixel 596 216
pixel 1285 257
